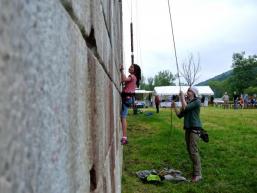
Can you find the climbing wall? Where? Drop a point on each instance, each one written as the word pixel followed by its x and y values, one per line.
pixel 59 96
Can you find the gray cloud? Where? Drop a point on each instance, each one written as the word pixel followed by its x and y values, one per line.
pixel 213 29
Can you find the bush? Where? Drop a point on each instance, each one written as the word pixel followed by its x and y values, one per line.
pixel 251 90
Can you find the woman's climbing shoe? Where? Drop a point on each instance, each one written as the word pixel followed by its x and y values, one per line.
pixel 124 141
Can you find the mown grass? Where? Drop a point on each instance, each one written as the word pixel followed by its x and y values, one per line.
pixel 229 160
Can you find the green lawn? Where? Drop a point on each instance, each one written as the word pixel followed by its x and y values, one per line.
pixel 229 160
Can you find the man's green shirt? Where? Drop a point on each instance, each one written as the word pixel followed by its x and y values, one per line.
pixel 191 114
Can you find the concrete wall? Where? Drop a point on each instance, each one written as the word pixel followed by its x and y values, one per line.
pixel 59 96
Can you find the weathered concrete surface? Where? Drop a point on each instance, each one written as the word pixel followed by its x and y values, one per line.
pixel 59 96
pixel 80 11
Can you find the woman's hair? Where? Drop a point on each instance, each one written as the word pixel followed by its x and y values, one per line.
pixel 137 73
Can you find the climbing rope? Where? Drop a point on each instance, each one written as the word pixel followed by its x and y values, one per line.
pixel 176 58
pixel 174 44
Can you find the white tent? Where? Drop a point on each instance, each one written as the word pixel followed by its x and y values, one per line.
pixel 142 98
pixel 174 90
pixel 167 91
pixel 137 91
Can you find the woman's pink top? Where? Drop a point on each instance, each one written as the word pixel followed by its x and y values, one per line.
pixel 130 86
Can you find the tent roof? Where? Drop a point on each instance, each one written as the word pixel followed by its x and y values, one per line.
pixel 142 91
pixel 174 90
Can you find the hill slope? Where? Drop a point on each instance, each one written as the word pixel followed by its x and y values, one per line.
pixel 220 77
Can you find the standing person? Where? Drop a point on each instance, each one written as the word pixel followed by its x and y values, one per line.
pixel 235 99
pixel 202 100
pixel 254 102
pixel 246 101
pixel 241 101
pixel 206 99
pixel 212 99
pixel 128 94
pixel 226 100
pixel 192 123
pixel 157 103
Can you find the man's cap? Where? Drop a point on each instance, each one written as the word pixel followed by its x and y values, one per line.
pixel 194 90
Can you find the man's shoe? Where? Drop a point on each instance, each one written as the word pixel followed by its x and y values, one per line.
pixel 196 178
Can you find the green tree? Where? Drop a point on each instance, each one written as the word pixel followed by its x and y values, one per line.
pixel 217 87
pixel 251 90
pixel 220 87
pixel 244 72
pixel 164 78
pixel 146 85
pixel 143 84
pixel 150 83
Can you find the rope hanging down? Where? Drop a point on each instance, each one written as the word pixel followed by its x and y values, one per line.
pixel 174 45
pixel 175 53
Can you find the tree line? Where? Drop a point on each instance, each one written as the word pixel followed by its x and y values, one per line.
pixel 163 78
pixel 243 78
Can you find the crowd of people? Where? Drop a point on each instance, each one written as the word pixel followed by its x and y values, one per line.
pixel 240 101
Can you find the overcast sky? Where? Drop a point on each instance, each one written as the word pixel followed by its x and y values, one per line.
pixel 212 29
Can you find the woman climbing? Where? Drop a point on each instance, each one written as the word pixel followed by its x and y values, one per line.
pixel 130 84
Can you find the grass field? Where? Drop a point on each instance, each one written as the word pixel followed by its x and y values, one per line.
pixel 229 160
